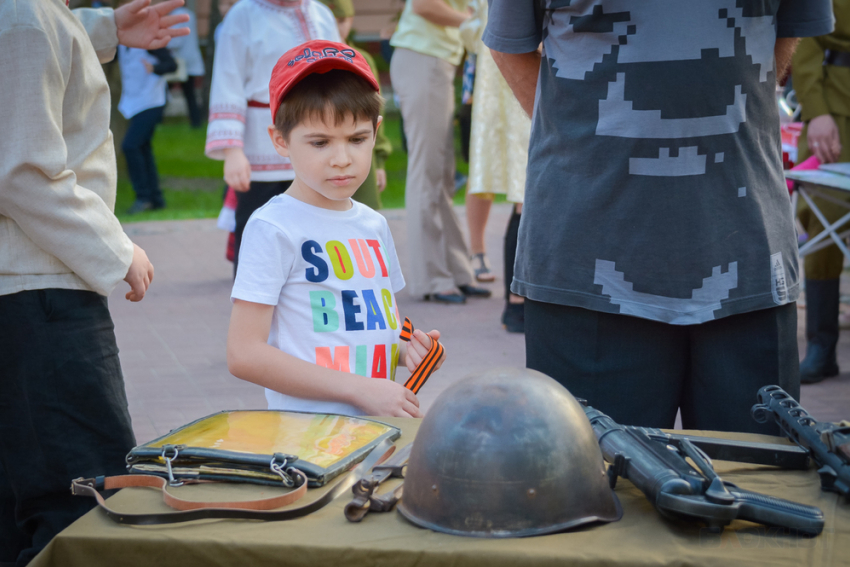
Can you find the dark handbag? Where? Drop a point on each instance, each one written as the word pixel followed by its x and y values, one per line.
pixel 292 449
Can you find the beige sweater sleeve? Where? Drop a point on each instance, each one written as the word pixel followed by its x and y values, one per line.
pixel 44 152
pixel 100 25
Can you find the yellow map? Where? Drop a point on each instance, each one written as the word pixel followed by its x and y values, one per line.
pixel 316 438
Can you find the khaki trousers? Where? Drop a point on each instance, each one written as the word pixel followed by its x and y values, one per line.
pixel 439 259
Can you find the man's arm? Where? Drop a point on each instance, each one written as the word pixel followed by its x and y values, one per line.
pixel 102 31
pixel 822 132
pixel 251 358
pixel 439 13
pixel 520 71
pixel 783 50
pixel 39 192
pixel 514 32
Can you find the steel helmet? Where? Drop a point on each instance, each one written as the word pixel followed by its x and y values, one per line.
pixel 506 453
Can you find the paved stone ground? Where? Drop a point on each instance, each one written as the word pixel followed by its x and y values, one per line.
pixel 173 343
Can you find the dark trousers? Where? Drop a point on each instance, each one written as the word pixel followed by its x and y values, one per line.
pixel 641 372
pixel 511 238
pixel 188 88
pixel 260 193
pixel 63 412
pixel 138 151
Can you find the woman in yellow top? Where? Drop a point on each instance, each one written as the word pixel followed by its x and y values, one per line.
pixel 423 67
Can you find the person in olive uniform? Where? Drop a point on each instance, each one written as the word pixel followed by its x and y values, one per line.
pixel 370 192
pixel 821 75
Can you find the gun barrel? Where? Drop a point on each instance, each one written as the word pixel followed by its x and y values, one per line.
pixel 801 428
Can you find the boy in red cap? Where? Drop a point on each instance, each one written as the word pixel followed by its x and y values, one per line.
pixel 314 314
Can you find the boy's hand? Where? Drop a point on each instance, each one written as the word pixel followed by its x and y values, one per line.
pixel 139 276
pixel 381 179
pixel 418 347
pixel 389 399
pixel 237 169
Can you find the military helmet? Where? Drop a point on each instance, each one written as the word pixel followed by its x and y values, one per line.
pixel 506 453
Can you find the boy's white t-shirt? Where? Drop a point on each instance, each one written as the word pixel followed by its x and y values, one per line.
pixel 332 277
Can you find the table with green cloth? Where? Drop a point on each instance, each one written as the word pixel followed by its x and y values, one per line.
pixel 641 538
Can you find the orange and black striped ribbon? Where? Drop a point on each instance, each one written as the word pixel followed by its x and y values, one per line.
pixel 428 364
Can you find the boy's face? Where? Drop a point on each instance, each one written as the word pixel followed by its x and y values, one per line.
pixel 330 161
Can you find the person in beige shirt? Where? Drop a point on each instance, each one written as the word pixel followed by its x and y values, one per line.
pixel 423 66
pixel 63 410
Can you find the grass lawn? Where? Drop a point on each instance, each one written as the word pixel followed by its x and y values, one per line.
pixel 193 184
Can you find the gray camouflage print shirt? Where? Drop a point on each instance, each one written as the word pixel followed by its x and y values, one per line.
pixel 655 185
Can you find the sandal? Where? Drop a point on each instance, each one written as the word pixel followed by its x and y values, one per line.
pixel 481 268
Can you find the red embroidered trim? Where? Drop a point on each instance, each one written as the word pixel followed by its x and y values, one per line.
pixel 271 166
pixel 222 144
pixel 227 116
pixel 302 21
pixel 280 3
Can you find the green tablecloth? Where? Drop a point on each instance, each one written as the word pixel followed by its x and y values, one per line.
pixel 641 538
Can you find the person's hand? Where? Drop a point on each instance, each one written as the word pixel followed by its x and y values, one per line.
pixel 148 66
pixel 149 27
pixel 381 179
pixel 139 276
pixel 387 398
pixel 237 169
pixel 418 347
pixel 823 140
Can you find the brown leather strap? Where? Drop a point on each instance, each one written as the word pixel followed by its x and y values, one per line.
pixel 252 510
pixel 258 104
pixel 145 480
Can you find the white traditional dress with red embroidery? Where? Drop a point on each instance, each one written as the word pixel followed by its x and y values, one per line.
pixel 253 36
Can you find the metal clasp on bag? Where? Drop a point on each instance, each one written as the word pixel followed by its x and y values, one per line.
pixel 280 465
pixel 165 450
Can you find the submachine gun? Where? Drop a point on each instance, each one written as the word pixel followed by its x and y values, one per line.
pixel 656 462
pixel 828 444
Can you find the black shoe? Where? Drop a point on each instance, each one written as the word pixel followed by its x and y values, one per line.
pixel 158 206
pixel 513 317
pixel 470 291
pixel 139 207
pixel 454 298
pixel 818 365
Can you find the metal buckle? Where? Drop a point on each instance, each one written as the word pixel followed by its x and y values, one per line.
pixel 165 449
pixel 79 482
pixel 279 465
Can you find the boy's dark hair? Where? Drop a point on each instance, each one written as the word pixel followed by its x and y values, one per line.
pixel 337 93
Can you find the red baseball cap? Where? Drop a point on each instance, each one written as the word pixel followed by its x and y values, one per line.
pixel 315 56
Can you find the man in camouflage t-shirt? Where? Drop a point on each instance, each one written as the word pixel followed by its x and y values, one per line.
pixel 657 249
